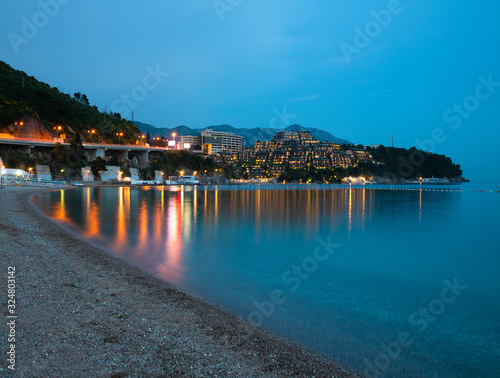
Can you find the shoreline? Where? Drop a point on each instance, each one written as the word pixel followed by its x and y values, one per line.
pixel 98 184
pixel 82 311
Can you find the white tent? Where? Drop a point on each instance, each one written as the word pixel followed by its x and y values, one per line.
pixel 13 172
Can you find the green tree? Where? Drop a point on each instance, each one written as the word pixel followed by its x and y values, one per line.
pixel 59 153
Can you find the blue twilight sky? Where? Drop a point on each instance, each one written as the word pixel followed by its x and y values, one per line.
pixel 363 70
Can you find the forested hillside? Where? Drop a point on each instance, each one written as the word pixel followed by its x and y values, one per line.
pixel 22 97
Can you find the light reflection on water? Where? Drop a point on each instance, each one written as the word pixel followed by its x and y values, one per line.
pixel 232 246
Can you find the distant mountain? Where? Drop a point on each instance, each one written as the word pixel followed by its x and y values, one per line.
pixel 156 132
pixel 250 135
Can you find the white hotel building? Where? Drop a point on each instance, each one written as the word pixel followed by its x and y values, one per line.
pixel 212 141
pixel 218 141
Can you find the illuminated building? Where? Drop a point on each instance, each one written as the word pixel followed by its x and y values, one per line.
pixel 217 141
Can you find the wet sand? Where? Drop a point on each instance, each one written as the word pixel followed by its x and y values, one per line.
pixel 83 312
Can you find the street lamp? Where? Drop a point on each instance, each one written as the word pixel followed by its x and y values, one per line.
pixel 58 129
pixel 91 132
pixel 119 135
pixel 19 127
pixel 173 136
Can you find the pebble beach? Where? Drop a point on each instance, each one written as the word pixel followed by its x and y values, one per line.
pixel 82 312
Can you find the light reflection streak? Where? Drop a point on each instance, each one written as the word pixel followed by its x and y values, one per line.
pixel 182 202
pixel 308 207
pixel 156 216
pixel 172 266
pixel 121 234
pixel 317 212
pixel 257 212
pixel 205 207
pixel 142 237
pixel 195 205
pixel 258 209
pixel 162 200
pixel 186 216
pixel 420 207
pixel 234 203
pixel 87 196
pixel 363 210
pixel 61 212
pixel 93 217
pixel 216 207
pixel 349 225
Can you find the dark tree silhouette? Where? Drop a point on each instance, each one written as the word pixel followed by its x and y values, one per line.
pixel 84 99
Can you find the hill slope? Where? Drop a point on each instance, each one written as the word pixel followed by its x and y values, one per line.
pixel 23 98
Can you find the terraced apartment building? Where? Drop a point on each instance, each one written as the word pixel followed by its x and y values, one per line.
pixel 299 150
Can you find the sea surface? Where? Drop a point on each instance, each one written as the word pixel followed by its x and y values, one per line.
pixel 388 280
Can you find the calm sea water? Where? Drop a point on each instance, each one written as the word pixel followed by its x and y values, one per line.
pixel 388 280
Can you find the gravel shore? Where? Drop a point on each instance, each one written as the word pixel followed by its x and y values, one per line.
pixel 82 312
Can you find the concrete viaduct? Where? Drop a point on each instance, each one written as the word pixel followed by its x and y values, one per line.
pixel 92 150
